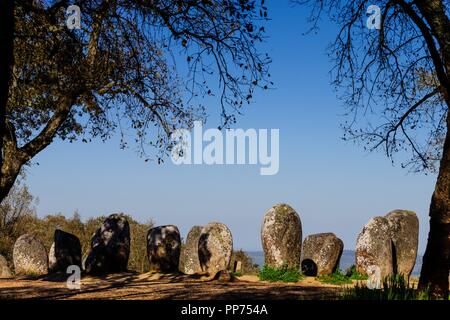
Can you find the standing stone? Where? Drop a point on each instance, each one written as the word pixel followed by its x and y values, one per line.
pixel 163 248
pixel 324 250
pixel 65 251
pixel 404 233
pixel 281 236
pixel 374 248
pixel 215 247
pixel 190 252
pixel 5 271
pixel 30 256
pixel 110 247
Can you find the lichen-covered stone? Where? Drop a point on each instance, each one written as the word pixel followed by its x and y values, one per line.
pixel 215 247
pixel 404 233
pixel 5 271
pixel 65 251
pixel 163 248
pixel 324 250
pixel 281 236
pixel 110 247
pixel 30 256
pixel 374 248
pixel 191 262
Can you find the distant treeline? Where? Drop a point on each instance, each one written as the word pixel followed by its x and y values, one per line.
pixel 18 216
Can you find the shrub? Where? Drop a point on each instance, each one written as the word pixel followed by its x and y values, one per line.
pixel 17 212
pixel 18 216
pixel 283 274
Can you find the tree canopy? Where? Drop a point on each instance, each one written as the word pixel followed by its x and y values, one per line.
pixel 141 67
pixel 392 80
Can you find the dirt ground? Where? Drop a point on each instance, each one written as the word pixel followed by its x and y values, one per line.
pixel 157 286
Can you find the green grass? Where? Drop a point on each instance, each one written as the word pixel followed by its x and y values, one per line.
pixel 340 278
pixel 283 274
pixel 337 278
pixel 394 288
pixel 354 275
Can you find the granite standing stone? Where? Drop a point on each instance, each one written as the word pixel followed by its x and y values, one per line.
pixel 65 251
pixel 404 233
pixel 110 247
pixel 190 258
pixel 163 248
pixel 281 236
pixel 374 248
pixel 324 250
pixel 215 247
pixel 30 256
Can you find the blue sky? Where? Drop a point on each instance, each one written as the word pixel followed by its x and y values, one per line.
pixel 333 185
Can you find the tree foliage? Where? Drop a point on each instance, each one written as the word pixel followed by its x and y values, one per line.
pixel 18 216
pixel 396 87
pixel 390 79
pixel 17 211
pixel 137 68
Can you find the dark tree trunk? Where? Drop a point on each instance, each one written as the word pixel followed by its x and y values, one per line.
pixel 6 64
pixel 436 261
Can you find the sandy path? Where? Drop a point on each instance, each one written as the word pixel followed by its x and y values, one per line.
pixel 157 286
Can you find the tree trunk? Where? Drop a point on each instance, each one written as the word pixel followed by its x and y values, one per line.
pixel 6 64
pixel 436 261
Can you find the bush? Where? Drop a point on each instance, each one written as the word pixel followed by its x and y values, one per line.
pixel 283 274
pixel 17 212
pixel 18 216
pixel 44 229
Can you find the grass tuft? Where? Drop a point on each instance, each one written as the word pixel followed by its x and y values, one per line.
pixel 283 274
pixel 337 278
pixel 354 275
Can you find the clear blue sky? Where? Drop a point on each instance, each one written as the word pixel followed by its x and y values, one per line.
pixel 333 185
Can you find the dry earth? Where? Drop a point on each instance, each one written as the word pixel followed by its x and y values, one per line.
pixel 158 286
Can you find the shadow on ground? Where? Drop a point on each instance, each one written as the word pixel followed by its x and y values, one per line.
pixel 157 286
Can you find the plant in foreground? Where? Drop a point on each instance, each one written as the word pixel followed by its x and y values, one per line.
pixel 394 287
pixel 337 278
pixel 284 274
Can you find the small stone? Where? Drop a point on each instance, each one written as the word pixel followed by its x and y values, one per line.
pixel 30 256
pixel 324 250
pixel 281 236
pixel 215 247
pixel 163 248
pixel 237 266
